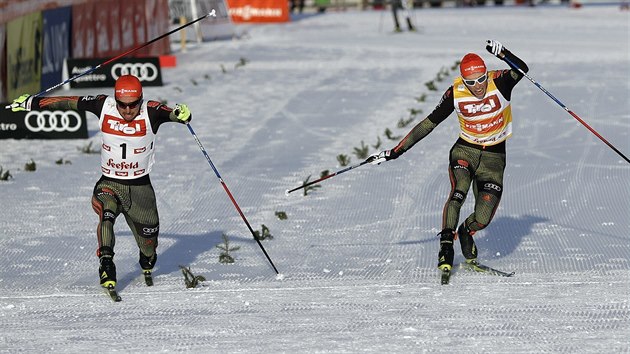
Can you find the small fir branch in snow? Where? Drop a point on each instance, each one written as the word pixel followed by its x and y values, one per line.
pixel 402 123
pixel 362 152
pixel 378 143
pixel 223 70
pixel 442 74
pixel 343 160
pixel 194 82
pixel 225 256
pixel 190 279
pixel 263 234
pixel 4 175
pixel 176 88
pixel 413 112
pixel 87 149
pixel 281 215
pixel 456 65
pixel 61 161
pixel 422 98
pixel 207 77
pixel 309 188
pixel 390 136
pixel 30 166
pixel 431 85
pixel 324 173
pixel 241 62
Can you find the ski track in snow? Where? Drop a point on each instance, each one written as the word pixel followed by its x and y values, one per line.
pixel 358 255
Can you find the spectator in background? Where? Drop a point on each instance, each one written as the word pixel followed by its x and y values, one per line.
pixel 402 4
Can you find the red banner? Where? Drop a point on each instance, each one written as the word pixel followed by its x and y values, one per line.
pixel 156 23
pixel 83 29
pixel 258 11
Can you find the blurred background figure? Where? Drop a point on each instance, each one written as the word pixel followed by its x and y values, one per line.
pixel 405 6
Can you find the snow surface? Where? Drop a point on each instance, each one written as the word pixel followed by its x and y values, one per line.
pixel 357 256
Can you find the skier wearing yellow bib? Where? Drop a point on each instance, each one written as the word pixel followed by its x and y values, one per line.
pixel 481 100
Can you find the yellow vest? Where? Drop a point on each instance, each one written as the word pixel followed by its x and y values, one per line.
pixel 486 121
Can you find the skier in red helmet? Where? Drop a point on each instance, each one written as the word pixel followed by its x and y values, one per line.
pixel 481 100
pixel 128 126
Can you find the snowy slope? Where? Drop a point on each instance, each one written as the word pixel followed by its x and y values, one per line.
pixel 358 255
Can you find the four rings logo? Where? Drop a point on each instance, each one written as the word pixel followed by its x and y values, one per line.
pixel 52 121
pixel 146 69
pixel 143 71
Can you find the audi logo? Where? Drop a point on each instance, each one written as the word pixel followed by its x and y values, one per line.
pixel 143 71
pixel 52 121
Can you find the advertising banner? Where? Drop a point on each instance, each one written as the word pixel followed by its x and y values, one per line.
pixel 56 45
pixel 42 125
pixel 106 17
pixel 83 31
pixel 24 55
pixel 107 28
pixel 156 24
pixel 146 69
pixel 258 11
pixel 3 66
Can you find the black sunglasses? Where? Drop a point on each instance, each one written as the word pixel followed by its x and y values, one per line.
pixel 481 79
pixel 131 105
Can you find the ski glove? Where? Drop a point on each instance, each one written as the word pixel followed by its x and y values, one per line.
pixel 495 48
pixel 385 155
pixel 22 103
pixel 182 113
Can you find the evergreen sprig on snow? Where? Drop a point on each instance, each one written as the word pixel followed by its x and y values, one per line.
pixel 190 279
pixel 225 256
pixel 4 175
pixel 30 166
pixel 307 189
pixel 344 160
pixel 265 233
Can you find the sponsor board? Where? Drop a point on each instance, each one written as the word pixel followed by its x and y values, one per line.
pixel 146 69
pixel 43 124
pixel 24 54
pixel 258 11
pixel 56 45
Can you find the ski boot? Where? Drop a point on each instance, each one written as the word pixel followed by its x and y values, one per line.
pixel 410 26
pixel 107 271
pixel 446 254
pixel 469 250
pixel 147 264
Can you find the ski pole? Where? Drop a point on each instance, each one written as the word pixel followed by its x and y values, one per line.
pixel 565 108
pixel 212 13
pixel 327 177
pixel 216 172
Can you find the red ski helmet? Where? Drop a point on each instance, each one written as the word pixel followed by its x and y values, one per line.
pixel 471 64
pixel 128 86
